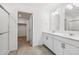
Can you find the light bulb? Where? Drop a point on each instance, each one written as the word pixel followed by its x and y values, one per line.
pixel 56 12
pixel 69 6
pixel 53 13
pixel 76 4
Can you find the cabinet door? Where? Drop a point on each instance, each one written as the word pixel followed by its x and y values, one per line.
pixel 71 50
pixel 58 47
pixel 46 41
pixel 3 21
pixel 50 43
pixel 3 43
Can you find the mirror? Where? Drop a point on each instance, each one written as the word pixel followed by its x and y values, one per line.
pixel 54 21
pixel 72 17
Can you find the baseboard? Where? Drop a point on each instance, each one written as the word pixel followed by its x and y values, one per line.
pixel 4 52
pixel 49 49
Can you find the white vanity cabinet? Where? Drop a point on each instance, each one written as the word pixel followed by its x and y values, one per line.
pixel 53 43
pixel 61 45
pixel 58 49
pixel 71 50
pixel 48 41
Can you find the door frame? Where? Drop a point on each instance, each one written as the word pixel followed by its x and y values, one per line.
pixel 31 30
pixel 29 22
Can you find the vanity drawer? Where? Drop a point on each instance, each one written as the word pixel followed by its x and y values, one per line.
pixel 63 39
pixel 56 37
pixel 47 35
pixel 74 42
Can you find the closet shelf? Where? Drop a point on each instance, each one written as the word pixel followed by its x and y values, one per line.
pixel 22 24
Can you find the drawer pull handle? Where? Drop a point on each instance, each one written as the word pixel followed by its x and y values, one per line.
pixel 46 38
pixel 63 45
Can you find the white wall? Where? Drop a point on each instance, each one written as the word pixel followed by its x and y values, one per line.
pixel 12 34
pixel 22 20
pixel 22 27
pixel 22 30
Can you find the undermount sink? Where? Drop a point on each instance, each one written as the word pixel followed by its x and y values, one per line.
pixel 64 34
pixel 71 34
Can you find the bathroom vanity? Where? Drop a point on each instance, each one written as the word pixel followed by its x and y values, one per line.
pixel 64 19
pixel 61 44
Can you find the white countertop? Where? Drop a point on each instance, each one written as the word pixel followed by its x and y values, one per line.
pixel 74 37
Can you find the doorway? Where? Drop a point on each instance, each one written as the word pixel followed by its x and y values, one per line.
pixel 25 28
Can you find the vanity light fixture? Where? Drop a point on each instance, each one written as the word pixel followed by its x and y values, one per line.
pixel 55 13
pixel 76 4
pixel 69 6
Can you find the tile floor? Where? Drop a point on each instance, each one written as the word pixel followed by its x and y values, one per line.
pixel 24 48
